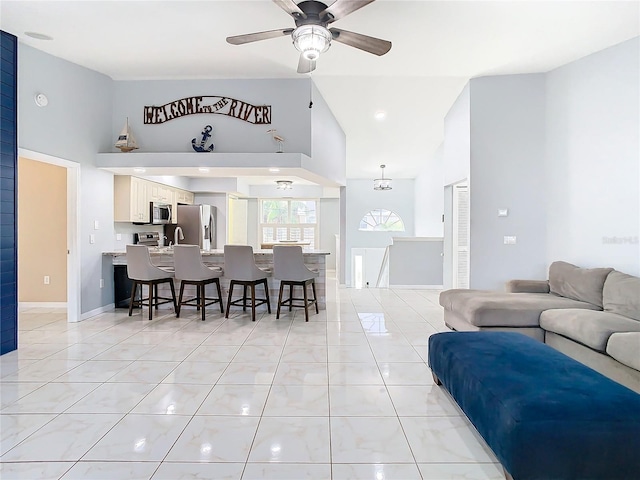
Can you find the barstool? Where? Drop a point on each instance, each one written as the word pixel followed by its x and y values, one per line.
pixel 190 270
pixel 142 272
pixel 240 267
pixel 289 268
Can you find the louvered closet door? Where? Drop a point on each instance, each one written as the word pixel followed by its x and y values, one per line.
pixel 461 236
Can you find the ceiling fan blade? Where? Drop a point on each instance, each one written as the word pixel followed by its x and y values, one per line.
pixel 342 8
pixel 291 8
pixel 254 37
pixel 363 42
pixel 306 66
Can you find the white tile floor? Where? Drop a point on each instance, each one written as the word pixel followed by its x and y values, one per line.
pixel 346 396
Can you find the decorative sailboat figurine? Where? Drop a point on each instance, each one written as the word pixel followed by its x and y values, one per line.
pixel 126 142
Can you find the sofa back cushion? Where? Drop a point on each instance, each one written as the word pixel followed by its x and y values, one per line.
pixel 583 284
pixel 621 295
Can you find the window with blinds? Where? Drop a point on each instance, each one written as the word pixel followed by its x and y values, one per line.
pixel 289 219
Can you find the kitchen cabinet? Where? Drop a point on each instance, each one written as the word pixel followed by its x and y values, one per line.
pixel 130 199
pixel 161 193
pixel 182 197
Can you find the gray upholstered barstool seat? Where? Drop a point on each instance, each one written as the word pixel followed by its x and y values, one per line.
pixel 142 272
pixel 289 268
pixel 240 268
pixel 190 270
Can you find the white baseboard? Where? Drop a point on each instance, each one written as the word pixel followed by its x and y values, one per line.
pixel 23 305
pixel 417 287
pixel 97 311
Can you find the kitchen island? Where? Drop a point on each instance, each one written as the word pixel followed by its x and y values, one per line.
pixel 163 257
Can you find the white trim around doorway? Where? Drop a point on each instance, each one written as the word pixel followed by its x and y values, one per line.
pixel 73 227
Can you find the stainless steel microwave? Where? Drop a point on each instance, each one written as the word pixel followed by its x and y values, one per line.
pixel 160 213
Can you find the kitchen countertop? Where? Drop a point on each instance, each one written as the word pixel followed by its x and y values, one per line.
pixel 169 251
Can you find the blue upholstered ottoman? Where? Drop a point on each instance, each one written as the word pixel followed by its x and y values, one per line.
pixel 544 415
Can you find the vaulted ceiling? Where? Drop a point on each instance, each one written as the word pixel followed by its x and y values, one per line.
pixel 437 47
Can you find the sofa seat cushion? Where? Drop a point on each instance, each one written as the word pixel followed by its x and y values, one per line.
pixel 484 308
pixel 621 294
pixel 625 348
pixel 589 328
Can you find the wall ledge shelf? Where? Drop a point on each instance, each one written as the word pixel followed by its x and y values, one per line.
pixel 219 164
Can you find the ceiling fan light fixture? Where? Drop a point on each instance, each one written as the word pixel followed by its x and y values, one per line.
pixel 311 40
pixel 382 183
pixel 284 184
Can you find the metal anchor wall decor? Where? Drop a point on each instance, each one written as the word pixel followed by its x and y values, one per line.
pixel 206 133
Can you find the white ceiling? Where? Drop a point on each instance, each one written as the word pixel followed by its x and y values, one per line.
pixel 437 47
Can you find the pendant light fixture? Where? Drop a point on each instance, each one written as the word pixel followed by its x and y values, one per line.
pixel 382 183
pixel 284 184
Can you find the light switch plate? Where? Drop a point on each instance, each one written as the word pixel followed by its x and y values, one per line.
pixel 503 212
pixel 92 238
pixel 118 236
pixel 96 225
pixel 509 240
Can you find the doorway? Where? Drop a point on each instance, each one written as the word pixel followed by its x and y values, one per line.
pixel 71 203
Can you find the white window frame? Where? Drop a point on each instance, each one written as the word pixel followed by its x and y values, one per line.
pixel 391 212
pixel 288 226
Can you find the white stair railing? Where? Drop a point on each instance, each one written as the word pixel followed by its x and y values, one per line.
pixel 383 275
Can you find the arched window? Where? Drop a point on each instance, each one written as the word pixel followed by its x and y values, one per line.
pixel 381 220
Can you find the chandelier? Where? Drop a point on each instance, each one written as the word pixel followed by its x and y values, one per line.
pixel 284 184
pixel 382 183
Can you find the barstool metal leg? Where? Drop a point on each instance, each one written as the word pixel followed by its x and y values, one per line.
pixel 290 296
pixel 231 284
pixel 182 284
pixel 173 294
pixel 253 302
pixel 266 294
pixel 217 282
pixel 150 300
pixel 315 298
pixel 201 287
pixel 133 296
pixel 306 302
pixel 279 300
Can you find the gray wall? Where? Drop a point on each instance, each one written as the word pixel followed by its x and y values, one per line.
pixel 456 159
pixel 429 202
pixel 328 141
pixel 457 139
pixel 329 228
pixel 560 151
pixel 416 262
pixel 593 160
pixel 360 199
pixel 507 171
pixel 74 126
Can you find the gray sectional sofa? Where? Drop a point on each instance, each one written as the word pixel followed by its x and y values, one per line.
pixel 590 314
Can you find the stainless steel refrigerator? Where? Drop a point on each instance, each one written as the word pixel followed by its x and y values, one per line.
pixel 198 223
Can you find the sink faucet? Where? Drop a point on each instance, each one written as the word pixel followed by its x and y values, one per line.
pixel 177 235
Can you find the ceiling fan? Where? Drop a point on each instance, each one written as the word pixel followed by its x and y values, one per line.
pixel 312 35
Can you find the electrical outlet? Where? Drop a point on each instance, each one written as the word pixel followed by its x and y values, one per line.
pixel 102 283
pixel 47 280
pixel 509 240
pixel 92 238
pixel 118 236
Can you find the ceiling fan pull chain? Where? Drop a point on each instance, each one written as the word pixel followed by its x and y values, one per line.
pixel 310 91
